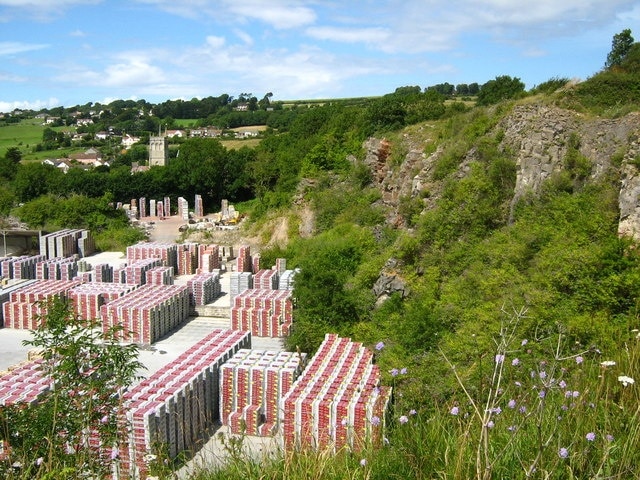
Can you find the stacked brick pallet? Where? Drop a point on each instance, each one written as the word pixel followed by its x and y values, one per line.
pixel 27 304
pixel 265 313
pixel 67 242
pixel 251 386
pixel 167 206
pixel 21 268
pixel 23 384
pixel 198 209
pixel 208 258
pixel 204 288
pixel 286 279
pixel 167 252
pixel 57 269
pixel 238 283
pixel 177 406
pixel 187 258
pixel 160 208
pixel 333 404
pixel 243 260
pixel 136 272
pixel 103 272
pixel 89 297
pixel 183 208
pixel 266 279
pixel 142 207
pixel 147 313
pixel 159 276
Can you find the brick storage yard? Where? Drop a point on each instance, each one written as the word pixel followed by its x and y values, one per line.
pixel 212 344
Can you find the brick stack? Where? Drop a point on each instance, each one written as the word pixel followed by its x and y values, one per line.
pixel 177 407
pixel 159 276
pixel 286 280
pixel 152 207
pixel 183 208
pixel 332 404
pixel 147 313
pixel 238 283
pixel 89 297
pixel 204 288
pixel 255 263
pixel 167 252
pixel 67 242
pixel 265 313
pixel 187 257
pixel 198 209
pixel 142 207
pixel 266 279
pixel 28 304
pixel 23 384
pixel 167 206
pixel 57 269
pixel 208 258
pixel 160 207
pixel 251 386
pixel 103 272
pixel 21 268
pixel 243 261
pixel 136 272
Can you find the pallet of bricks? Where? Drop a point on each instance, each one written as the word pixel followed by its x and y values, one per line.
pixel 187 258
pixel 23 384
pixel 135 273
pixel 87 298
pixel 204 288
pixel 337 402
pixel 147 313
pixel 251 386
pixel 176 408
pixel 57 269
pixel 167 252
pixel 208 258
pixel 265 313
pixel 21 268
pixel 66 243
pixel 28 304
pixel 159 276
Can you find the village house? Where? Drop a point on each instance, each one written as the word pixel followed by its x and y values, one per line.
pixel 129 140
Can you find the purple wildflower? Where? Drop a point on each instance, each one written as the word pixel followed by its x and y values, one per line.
pixel 403 371
pixel 454 411
pixel 562 384
pixel 403 419
pixel 524 342
pixel 499 358
pixel 563 453
pixel 515 362
pixel 394 372
pixel 412 412
pixel 375 420
pixel 379 346
pixel 590 436
pixel 512 403
pixel 363 462
pixel 579 359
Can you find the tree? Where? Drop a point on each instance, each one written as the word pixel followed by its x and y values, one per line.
pixel 501 88
pixel 620 46
pixel 9 163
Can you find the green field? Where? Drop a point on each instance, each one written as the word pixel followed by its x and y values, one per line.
pixel 24 135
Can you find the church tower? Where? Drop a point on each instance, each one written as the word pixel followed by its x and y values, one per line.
pixel 158 151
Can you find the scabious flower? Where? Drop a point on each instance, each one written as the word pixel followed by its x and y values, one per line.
pixel 104 419
pixel 403 371
pixel 512 403
pixel 562 384
pixel 542 394
pixel 542 374
pixel 579 359
pixel 609 438
pixel 497 410
pixel 454 411
pixel 115 453
pixel 379 346
pixel 524 342
pixel 39 461
pixel 499 358
pixel 522 409
pixel 515 362
pixel 412 412
pixel 626 380
pixel 403 419
pixel 394 372
pixel 563 452
pixel 590 436
pixel 490 424
pixel 375 420
pixel 363 462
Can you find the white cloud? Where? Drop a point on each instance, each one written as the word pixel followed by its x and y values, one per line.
pixel 28 105
pixel 12 48
pixel 350 35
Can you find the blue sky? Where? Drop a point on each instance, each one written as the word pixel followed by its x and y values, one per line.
pixel 71 52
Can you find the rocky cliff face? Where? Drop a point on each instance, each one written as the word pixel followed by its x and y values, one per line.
pixel 539 136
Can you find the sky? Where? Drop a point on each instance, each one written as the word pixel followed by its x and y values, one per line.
pixel 74 52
